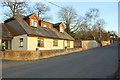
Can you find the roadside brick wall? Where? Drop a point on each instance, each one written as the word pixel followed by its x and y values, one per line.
pixel 47 53
pixel 1 54
pixel 33 55
pixel 21 55
pixel 104 43
pixel 77 43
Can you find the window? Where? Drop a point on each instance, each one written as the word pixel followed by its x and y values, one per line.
pixel 61 29
pixel 55 42
pixel 45 25
pixel 40 43
pixel 68 43
pixel 21 42
pixel 6 44
pixel 34 22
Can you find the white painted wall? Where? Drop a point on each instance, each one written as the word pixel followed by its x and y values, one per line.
pixel 60 45
pixel 30 43
pixel 48 44
pixel 71 44
pixel 65 41
pixel 87 44
pixel 16 43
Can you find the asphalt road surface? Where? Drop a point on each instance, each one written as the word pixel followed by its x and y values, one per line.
pixel 94 63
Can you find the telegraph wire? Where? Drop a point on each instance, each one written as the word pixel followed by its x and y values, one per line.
pixel 53 4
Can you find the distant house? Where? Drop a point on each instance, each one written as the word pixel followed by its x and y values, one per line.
pixel 29 33
pixel 113 38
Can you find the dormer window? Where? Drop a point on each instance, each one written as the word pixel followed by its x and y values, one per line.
pixel 61 29
pixel 45 24
pixel 34 22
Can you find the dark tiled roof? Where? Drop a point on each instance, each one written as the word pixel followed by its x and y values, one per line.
pixel 41 31
pixel 26 17
pixel 113 35
pixel 56 25
pixel 4 32
pixel 10 19
pixel 45 21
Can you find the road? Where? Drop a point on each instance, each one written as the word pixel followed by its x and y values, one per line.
pixel 94 63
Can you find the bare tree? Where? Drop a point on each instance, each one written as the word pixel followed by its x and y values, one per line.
pixel 105 36
pixel 91 18
pixel 69 17
pixel 100 25
pixel 40 9
pixel 92 27
pixel 14 7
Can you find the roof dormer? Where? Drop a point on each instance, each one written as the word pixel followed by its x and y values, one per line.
pixel 59 27
pixel 32 20
pixel 45 24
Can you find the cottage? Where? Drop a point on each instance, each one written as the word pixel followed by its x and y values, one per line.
pixel 113 39
pixel 21 33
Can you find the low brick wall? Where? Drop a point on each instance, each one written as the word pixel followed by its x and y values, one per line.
pixel 33 55
pixel 1 54
pixel 104 43
pixel 49 53
pixel 20 55
pixel 78 44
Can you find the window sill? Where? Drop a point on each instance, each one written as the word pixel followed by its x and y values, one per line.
pixel 68 46
pixel 41 46
pixel 55 45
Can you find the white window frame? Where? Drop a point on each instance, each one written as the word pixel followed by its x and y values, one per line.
pixel 41 40
pixel 61 29
pixel 34 22
pixel 21 42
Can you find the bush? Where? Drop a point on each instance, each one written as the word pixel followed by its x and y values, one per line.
pixel 98 41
